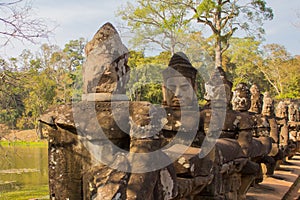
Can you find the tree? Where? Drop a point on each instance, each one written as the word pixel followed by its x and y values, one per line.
pixel 11 93
pixel 281 70
pixel 156 22
pixel 17 21
pixel 224 17
pixel 30 84
pixel 240 61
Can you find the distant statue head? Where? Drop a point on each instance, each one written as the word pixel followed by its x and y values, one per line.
pixel 256 99
pixel 293 112
pixel 282 110
pixel 268 105
pixel 241 98
pixel 179 82
pixel 218 88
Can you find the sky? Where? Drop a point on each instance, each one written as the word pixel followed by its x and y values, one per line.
pixel 82 18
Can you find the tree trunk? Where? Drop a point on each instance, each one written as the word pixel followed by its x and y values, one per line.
pixel 218 53
pixel 218 44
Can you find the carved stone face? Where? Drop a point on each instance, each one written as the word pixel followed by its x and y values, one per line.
pixel 241 98
pixel 220 94
pixel 281 110
pixel 268 107
pixel 179 91
pixel 256 100
pixel 292 110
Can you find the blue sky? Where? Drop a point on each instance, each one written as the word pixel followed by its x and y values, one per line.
pixel 82 18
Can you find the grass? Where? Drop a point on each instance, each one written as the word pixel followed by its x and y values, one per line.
pixel 40 192
pixel 42 143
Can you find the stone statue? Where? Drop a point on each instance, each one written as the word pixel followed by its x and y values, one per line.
pixel 256 99
pixel 293 112
pixel 218 120
pixel 180 130
pixel 241 101
pixel 294 126
pixel 93 143
pixel 179 82
pixel 263 130
pixel 282 121
pixel 107 147
pixel 126 169
pixel 252 145
pixel 105 71
pixel 268 112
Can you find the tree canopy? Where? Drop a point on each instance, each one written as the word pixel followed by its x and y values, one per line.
pixel 150 19
pixel 156 22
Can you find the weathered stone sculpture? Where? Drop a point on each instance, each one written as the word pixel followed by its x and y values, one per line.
pixel 67 156
pixel 282 121
pixel 86 132
pixel 241 102
pixel 122 174
pixel 193 172
pixel 99 148
pixel 294 126
pixel 228 181
pixel 106 147
pixel 256 99
pixel 251 146
pixel 262 131
pixel 269 115
pixel 105 71
pixel 293 112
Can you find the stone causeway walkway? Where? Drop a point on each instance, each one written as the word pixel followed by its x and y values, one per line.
pixel 284 185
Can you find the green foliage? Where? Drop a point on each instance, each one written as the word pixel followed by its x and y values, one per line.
pixel 30 84
pixel 168 23
pixel 204 8
pixel 160 23
pixel 271 68
pixel 146 77
pixel 281 70
pixel 29 192
pixel 11 92
pixel 40 94
pixel 243 56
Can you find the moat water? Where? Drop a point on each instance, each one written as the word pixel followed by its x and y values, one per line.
pixel 23 172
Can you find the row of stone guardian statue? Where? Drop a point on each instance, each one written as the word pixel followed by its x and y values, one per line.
pixel 106 147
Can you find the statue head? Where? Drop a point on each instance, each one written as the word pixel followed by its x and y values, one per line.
pixel 293 112
pixel 241 98
pixel 268 105
pixel 218 89
pixel 282 110
pixel 179 82
pixel 256 99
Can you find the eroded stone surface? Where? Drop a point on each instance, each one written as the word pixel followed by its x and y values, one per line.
pixel 105 69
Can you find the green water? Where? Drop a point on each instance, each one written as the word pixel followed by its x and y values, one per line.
pixel 26 168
